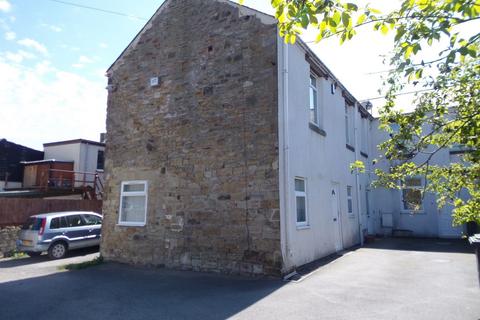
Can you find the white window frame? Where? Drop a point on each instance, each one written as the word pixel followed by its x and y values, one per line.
pixel 316 107
pixel 402 208
pixel 132 194
pixel 364 127
pixel 301 224
pixel 350 198
pixel 347 126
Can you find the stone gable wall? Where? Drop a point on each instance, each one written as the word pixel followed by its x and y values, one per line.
pixel 206 139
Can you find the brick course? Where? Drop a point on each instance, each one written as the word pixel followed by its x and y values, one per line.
pixel 206 139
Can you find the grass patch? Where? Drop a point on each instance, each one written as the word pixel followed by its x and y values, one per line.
pixel 82 265
pixel 14 254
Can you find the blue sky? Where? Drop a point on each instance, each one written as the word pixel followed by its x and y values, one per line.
pixel 53 57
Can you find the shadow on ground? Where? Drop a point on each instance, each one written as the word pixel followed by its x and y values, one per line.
pixel 114 291
pixel 422 244
pixel 24 261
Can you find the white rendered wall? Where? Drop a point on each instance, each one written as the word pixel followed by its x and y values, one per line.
pixel 431 221
pixel 319 159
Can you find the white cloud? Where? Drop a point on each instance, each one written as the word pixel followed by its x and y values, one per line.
pixel 103 45
pixel 5 6
pixel 50 104
pixel 10 35
pixel 52 27
pixel 84 59
pixel 30 43
pixel 18 56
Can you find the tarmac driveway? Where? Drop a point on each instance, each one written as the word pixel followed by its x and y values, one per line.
pixel 389 279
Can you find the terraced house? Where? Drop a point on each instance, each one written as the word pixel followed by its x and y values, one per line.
pixel 228 150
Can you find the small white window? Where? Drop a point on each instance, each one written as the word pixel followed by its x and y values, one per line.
pixel 313 101
pixel 412 195
pixel 133 203
pixel 347 126
pixel 301 202
pixel 349 200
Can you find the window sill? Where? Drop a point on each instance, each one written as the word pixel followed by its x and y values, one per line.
pixel 364 154
pixel 317 129
pixel 413 212
pixel 303 226
pixel 349 147
pixel 131 224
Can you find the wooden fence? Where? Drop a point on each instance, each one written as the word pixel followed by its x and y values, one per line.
pixel 15 211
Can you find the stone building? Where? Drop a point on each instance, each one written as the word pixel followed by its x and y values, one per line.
pixel 193 119
pixel 228 150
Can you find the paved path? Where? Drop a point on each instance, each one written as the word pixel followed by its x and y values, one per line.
pixel 390 279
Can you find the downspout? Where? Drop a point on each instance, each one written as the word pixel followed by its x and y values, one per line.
pixel 357 178
pixel 285 150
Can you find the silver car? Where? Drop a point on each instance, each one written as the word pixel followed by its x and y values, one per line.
pixel 58 232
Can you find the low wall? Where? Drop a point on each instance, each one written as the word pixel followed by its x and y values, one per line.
pixel 8 237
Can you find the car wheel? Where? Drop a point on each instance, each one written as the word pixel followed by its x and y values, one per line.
pixel 33 254
pixel 57 251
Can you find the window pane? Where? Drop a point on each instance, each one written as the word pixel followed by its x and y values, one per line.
pixel 301 215
pixel 347 129
pixel 350 206
pixel 349 191
pixel 55 223
pixel 413 182
pixel 75 221
pixel 299 185
pixel 313 81
pixel 412 199
pixel 63 222
pixel 91 219
pixel 313 105
pixel 100 159
pixel 133 209
pixel 134 187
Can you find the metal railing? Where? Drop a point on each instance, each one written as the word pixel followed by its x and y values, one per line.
pixel 90 182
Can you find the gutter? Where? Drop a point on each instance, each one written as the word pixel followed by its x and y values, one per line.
pixel 357 179
pixel 284 177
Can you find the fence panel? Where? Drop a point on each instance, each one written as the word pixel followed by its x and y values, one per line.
pixel 15 211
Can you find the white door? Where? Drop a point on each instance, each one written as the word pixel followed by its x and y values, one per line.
pixel 335 205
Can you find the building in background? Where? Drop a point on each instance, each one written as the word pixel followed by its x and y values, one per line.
pixel 11 169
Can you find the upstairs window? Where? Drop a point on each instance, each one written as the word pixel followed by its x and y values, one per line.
pixel 412 195
pixel 133 203
pixel 100 160
pixel 347 126
pixel 313 101
pixel 301 202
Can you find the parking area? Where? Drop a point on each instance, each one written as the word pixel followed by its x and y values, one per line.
pixel 389 279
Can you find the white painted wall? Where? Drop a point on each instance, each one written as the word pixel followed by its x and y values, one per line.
pixel 84 156
pixel 319 159
pixel 431 221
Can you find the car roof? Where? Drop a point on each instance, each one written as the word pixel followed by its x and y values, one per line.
pixel 63 213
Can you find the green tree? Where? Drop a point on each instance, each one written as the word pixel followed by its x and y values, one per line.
pixel 447 107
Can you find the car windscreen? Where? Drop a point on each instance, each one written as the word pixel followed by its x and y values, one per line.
pixel 32 224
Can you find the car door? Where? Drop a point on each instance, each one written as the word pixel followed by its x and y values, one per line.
pixel 76 231
pixel 93 224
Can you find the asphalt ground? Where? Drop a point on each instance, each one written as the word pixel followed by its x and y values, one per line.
pixel 389 279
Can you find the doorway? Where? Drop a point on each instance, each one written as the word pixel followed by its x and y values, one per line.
pixel 335 205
